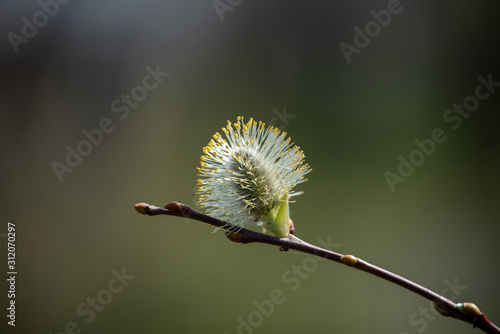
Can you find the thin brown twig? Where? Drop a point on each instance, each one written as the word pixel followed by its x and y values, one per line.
pixel 467 312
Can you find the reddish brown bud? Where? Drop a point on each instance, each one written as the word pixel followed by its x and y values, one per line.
pixel 141 208
pixel 175 207
pixel 292 227
pixel 235 237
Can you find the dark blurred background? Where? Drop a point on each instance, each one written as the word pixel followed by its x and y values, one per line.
pixel 280 62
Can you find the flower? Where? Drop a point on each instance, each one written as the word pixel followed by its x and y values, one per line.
pixel 249 176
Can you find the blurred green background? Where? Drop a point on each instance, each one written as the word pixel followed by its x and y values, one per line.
pixel 261 59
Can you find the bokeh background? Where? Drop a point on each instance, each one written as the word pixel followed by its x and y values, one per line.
pixel 255 59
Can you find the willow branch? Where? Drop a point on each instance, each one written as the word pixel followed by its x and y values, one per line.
pixel 467 312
